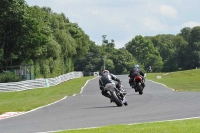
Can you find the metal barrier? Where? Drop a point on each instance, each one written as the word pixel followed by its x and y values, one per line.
pixel 38 83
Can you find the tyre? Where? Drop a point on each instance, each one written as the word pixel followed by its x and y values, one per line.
pixel 139 88
pixel 115 99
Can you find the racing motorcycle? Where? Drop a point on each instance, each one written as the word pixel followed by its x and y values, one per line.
pixel 138 84
pixel 118 95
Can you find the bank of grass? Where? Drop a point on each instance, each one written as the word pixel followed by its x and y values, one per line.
pixel 31 99
pixel 179 126
pixel 188 80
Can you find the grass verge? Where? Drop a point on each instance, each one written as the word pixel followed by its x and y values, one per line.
pixel 179 126
pixel 34 98
pixel 181 80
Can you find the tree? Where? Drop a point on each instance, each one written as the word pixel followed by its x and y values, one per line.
pixel 104 41
pixel 145 52
pixel 21 37
pixel 185 33
pixel 10 28
pixel 194 47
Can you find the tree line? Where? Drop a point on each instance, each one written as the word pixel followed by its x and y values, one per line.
pixel 54 45
pixel 38 36
pixel 163 52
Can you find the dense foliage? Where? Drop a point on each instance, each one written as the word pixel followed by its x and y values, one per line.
pixel 54 45
pixel 118 61
pixel 40 37
pixel 7 76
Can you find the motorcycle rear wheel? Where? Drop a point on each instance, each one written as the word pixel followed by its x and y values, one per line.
pixel 115 99
pixel 139 88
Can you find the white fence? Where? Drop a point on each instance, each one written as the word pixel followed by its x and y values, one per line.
pixel 38 83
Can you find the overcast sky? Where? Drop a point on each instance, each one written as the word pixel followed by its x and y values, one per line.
pixel 122 20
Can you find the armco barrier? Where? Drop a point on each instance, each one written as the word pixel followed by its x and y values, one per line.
pixel 38 83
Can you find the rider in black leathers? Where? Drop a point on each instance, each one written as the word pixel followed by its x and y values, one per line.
pixel 135 71
pixel 108 78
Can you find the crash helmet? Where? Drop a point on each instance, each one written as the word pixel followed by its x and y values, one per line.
pixel 105 72
pixel 136 66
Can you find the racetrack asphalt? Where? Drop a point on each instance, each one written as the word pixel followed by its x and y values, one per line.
pixel 91 109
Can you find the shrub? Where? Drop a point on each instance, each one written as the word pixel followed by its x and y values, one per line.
pixel 8 76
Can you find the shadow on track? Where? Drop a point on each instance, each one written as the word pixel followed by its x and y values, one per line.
pixel 103 107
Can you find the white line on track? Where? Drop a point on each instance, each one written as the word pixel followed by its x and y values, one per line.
pixel 162 84
pixel 12 114
pixel 20 113
pixel 167 120
pixel 85 85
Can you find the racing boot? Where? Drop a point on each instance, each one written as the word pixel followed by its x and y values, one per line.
pixel 125 103
pixel 123 92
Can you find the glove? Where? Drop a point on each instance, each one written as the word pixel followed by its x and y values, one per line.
pixel 117 80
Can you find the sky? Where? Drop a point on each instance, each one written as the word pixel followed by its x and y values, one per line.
pixel 122 20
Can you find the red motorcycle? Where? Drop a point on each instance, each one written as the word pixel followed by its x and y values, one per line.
pixel 138 84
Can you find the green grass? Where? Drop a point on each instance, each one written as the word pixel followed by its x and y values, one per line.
pixel 188 80
pixel 31 99
pixel 179 126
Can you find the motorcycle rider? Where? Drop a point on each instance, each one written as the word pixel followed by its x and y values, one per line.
pixel 107 77
pixel 149 69
pixel 135 71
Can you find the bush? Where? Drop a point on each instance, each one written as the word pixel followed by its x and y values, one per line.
pixel 7 76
